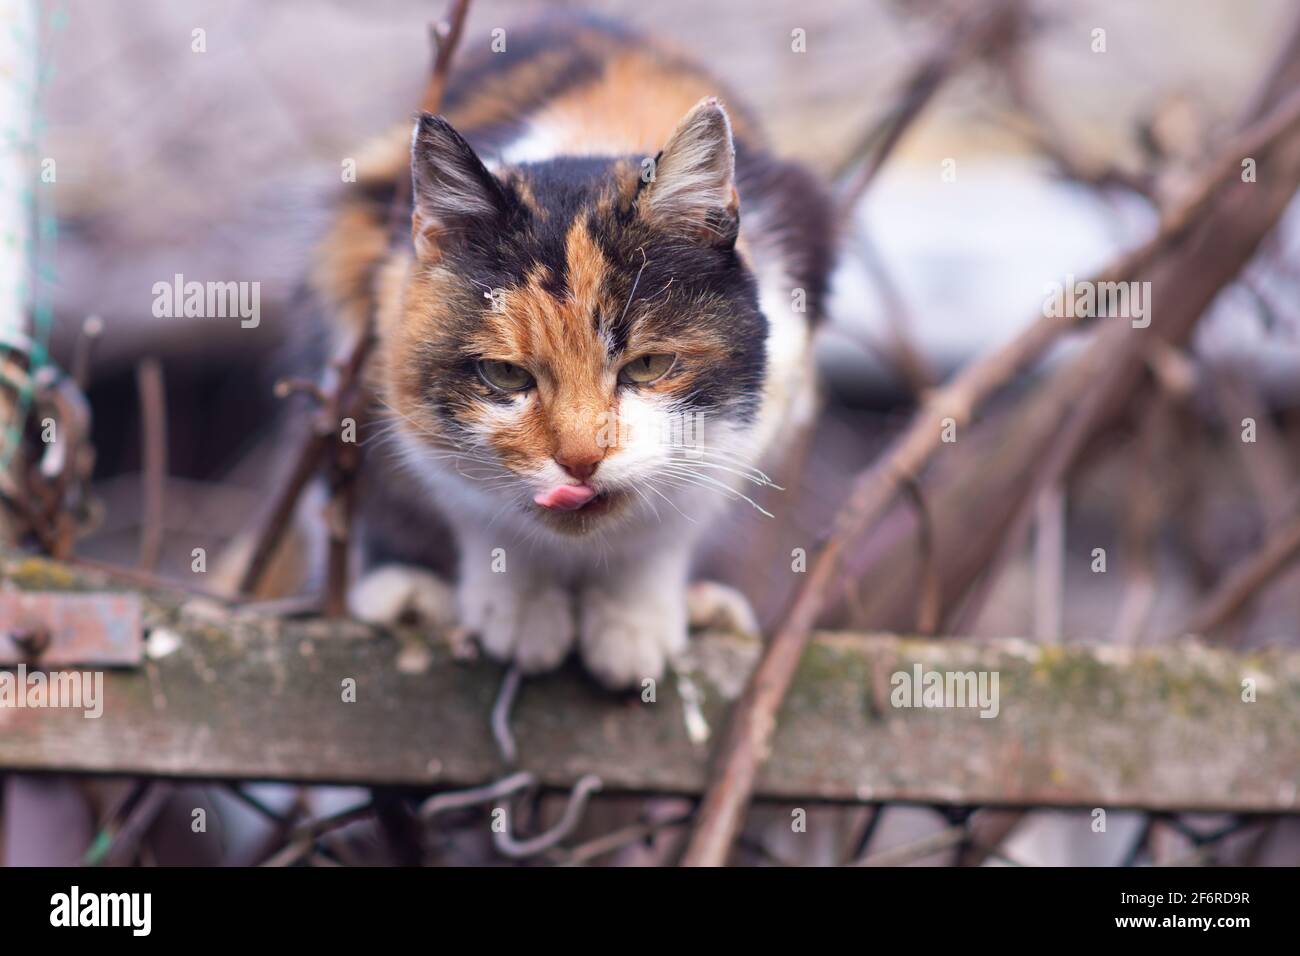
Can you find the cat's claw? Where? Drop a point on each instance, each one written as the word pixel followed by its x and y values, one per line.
pixel 715 606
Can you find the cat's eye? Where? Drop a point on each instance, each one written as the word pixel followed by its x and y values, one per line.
pixel 503 375
pixel 646 369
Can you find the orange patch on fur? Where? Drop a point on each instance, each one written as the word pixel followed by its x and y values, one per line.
pixel 499 95
pixel 635 105
pixel 409 312
pixel 555 338
pixel 345 262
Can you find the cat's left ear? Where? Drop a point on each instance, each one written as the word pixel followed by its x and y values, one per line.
pixel 452 191
pixel 692 191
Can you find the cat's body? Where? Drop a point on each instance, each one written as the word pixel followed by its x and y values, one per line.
pixel 588 342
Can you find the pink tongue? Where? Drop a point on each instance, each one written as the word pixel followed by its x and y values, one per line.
pixel 565 497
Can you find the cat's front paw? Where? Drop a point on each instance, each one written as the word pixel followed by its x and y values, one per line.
pixel 399 593
pixel 717 606
pixel 533 629
pixel 625 640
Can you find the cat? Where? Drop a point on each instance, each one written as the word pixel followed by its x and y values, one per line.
pixel 594 328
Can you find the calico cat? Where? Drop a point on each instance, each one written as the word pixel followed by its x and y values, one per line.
pixel 593 329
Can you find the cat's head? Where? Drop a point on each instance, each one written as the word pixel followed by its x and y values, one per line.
pixel 579 335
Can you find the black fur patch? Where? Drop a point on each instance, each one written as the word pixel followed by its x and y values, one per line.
pixel 664 282
pixel 667 284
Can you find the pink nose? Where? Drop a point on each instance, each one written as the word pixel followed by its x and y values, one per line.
pixel 581 467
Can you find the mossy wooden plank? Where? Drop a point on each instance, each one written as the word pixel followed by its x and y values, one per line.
pixel 231 695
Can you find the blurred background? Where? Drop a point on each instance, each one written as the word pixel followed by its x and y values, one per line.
pixel 220 165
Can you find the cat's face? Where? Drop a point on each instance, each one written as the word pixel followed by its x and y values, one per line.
pixel 578 337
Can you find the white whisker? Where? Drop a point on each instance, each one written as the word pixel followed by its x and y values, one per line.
pixel 762 482
pixel 708 481
pixel 672 504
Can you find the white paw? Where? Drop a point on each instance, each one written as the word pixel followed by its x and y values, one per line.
pixel 534 630
pixel 626 640
pixel 398 593
pixel 719 607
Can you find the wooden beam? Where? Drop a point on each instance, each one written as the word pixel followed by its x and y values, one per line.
pixel 230 694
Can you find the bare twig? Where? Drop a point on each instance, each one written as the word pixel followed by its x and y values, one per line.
pixel 1104 363
pixel 277 521
pixel 445 37
pixel 1048 138
pixel 930 602
pixel 975 34
pixel 119 842
pixel 84 353
pixel 153 427
pixel 1049 565
pixel 1265 461
pixel 344 462
pixel 902 351
pixel 303 838
pixel 1147 504
pixel 618 839
pixel 753 720
pixel 918 850
pixel 348 397
pixel 988 828
pixel 143 579
pixel 1246 580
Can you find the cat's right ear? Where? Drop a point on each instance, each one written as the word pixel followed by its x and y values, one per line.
pixel 452 191
pixel 693 190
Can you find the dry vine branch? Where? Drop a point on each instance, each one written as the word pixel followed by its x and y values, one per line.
pixel 1246 580
pixel 1186 280
pixel 900 349
pixel 1107 356
pixel 347 398
pixel 153 419
pixel 977 33
pixel 445 37
pixel 1046 135
pixel 744 747
pixel 1265 461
